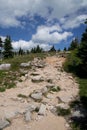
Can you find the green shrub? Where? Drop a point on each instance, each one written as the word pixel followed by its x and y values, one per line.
pixel 72 63
pixel 63 112
pixel 2 89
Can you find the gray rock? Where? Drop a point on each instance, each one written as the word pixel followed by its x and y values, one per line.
pixel 11 114
pixel 42 109
pixel 36 96
pixel 3 123
pixel 37 79
pixel 63 106
pixel 77 114
pixel 49 86
pixel 5 66
pixel 44 90
pixel 28 116
pixel 65 98
pixel 24 64
pixel 49 96
pixel 31 107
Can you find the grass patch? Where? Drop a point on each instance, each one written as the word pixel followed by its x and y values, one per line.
pixel 55 89
pixel 22 95
pixel 8 78
pixel 2 89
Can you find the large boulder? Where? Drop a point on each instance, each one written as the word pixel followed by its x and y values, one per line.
pixel 5 66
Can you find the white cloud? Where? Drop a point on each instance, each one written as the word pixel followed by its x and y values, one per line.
pixel 23 44
pixel 12 10
pixel 73 22
pixel 28 45
pixel 45 37
pixel 51 35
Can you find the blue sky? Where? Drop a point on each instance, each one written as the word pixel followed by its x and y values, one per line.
pixel 42 22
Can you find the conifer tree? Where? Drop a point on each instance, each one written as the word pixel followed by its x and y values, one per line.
pixel 8 53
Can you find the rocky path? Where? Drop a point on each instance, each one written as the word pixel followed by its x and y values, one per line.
pixel 32 104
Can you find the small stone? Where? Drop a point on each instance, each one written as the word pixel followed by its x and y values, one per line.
pixel 63 106
pixel 37 79
pixel 42 109
pixel 44 90
pixel 36 96
pixel 31 107
pixel 67 125
pixel 28 116
pixel 24 64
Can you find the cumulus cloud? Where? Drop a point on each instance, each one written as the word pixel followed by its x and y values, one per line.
pixel 64 11
pixel 45 37
pixel 28 45
pixel 51 34
pixel 72 23
pixel 11 11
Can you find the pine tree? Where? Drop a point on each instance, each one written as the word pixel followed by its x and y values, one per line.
pixel 65 49
pixel 74 44
pixel 8 53
pixel 82 53
pixel 20 52
pixel 52 49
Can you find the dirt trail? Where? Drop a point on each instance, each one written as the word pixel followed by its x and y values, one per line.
pixel 13 107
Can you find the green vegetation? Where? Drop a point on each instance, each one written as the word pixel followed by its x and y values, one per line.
pixel 8 78
pixel 74 44
pixel 8 48
pixel 77 60
pixel 22 95
pixel 37 49
pixel 37 109
pixel 81 123
pixel 83 91
pixel 63 112
pixel 76 63
pixel 52 49
pixel 55 89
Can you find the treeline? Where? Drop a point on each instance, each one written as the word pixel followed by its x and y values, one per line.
pixel 7 51
pixel 77 60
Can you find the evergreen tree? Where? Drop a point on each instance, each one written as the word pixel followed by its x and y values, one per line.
pixel 65 49
pixel 52 49
pixel 36 49
pixel 58 50
pixel 1 45
pixel 8 53
pixel 82 53
pixel 74 44
pixel 20 52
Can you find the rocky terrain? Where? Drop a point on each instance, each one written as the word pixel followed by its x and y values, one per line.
pixel 33 104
